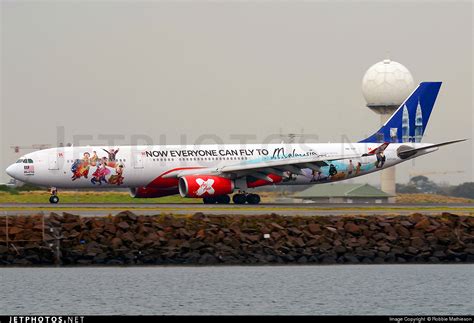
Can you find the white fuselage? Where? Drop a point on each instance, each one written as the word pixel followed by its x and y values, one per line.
pixel 144 166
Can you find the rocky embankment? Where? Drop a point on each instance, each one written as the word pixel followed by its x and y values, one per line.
pixel 128 239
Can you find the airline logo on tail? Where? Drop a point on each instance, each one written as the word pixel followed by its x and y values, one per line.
pixel 408 122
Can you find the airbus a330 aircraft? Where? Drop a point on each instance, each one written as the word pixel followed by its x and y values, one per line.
pixel 212 172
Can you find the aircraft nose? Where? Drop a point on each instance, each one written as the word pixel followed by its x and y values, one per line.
pixel 11 170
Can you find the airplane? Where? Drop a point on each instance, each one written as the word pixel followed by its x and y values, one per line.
pixel 213 172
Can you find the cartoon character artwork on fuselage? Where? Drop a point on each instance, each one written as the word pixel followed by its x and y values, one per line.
pixel 103 169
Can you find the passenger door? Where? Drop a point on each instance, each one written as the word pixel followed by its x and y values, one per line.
pixel 137 159
pixel 53 163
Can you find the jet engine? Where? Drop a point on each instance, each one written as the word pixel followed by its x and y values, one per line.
pixel 204 185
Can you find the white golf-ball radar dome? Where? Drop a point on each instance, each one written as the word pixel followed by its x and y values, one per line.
pixel 386 84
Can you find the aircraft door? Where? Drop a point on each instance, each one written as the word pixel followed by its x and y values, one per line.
pixel 53 162
pixel 137 160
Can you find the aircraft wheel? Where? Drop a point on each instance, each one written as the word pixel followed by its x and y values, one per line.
pixel 209 200
pixel 239 199
pixel 53 199
pixel 253 199
pixel 223 199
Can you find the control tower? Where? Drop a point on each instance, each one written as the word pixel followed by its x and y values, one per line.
pixel 385 86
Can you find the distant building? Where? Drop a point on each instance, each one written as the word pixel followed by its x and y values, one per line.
pixel 343 193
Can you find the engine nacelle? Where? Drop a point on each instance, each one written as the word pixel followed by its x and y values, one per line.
pixel 204 185
pixel 149 192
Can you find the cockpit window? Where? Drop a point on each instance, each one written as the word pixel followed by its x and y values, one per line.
pixel 25 161
pixel 19 161
pixel 30 161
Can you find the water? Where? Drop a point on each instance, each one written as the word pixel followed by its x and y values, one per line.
pixel 318 290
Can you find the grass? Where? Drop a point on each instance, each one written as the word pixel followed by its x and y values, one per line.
pixel 110 197
pixel 106 197
pixel 430 198
pixel 88 197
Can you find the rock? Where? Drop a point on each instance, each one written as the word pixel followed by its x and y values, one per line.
pixel 340 249
pixel 401 260
pixel 109 227
pixel 302 260
pixel 351 259
pixel 114 262
pixel 295 242
pixel 21 262
pixel 198 216
pixel 329 260
pixel 444 234
pixel 252 237
pixel 15 230
pixel 196 245
pixel 128 236
pixel 417 242
pixel 208 259
pixel 295 231
pixel 366 260
pixel 422 224
pixel 469 250
pixel 201 234
pixel 402 231
pixel 123 225
pixel 68 217
pixel 333 230
pixel 314 228
pixel 277 226
pixel 351 227
pixel 379 260
pixel 416 217
pixel 407 224
pixel 116 243
pixel 72 234
pixel 127 215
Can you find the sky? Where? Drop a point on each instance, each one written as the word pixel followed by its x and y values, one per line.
pixel 188 72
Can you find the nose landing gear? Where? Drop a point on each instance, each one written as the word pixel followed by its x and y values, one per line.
pixel 54 199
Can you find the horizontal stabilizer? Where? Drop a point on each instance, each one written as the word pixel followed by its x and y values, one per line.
pixel 405 153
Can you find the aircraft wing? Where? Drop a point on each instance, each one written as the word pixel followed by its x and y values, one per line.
pixel 262 169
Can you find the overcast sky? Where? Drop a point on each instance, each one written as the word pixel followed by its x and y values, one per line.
pixel 229 68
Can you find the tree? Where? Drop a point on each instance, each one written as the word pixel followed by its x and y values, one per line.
pixel 464 190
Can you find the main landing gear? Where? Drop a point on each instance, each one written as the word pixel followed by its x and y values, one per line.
pixel 221 199
pixel 242 198
pixel 239 198
pixel 54 199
